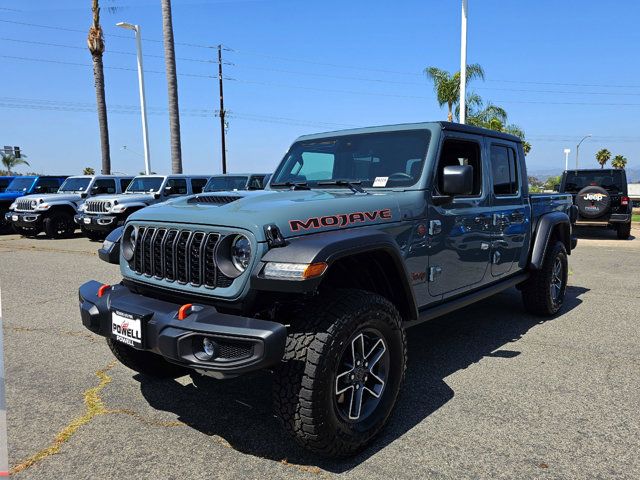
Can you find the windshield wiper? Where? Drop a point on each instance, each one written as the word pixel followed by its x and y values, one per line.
pixel 292 185
pixel 353 185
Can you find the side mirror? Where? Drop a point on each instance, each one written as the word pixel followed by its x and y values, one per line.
pixel 84 195
pixel 110 251
pixel 156 195
pixel 457 180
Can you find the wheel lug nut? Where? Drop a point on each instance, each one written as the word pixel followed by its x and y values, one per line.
pixel 352 376
pixel 366 364
pixel 358 363
pixel 357 386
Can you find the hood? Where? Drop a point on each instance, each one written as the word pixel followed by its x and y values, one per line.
pixel 54 197
pixel 124 198
pixel 10 196
pixel 296 212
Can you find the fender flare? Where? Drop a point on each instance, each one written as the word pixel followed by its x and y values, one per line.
pixel 547 224
pixel 330 247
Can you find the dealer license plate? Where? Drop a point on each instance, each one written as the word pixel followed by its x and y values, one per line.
pixel 126 328
pixel 87 220
pixel 14 218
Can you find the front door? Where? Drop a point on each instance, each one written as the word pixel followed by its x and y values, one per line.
pixel 460 229
pixel 509 218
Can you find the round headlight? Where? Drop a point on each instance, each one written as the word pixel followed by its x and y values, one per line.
pixel 241 252
pixel 34 203
pixel 107 205
pixel 129 243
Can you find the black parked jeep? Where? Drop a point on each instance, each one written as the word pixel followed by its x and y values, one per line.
pixel 602 198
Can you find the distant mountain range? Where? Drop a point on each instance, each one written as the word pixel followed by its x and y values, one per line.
pixel 633 174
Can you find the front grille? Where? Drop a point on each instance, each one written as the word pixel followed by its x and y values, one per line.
pixel 182 256
pixel 96 206
pixel 23 205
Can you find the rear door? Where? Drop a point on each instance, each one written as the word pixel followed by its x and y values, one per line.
pixel 509 224
pixel 459 230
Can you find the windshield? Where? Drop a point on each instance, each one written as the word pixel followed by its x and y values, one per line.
pixel 4 182
pixel 74 185
pixel 20 184
pixel 145 185
pixel 611 180
pixel 389 159
pixel 219 184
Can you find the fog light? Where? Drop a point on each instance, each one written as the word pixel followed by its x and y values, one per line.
pixel 208 347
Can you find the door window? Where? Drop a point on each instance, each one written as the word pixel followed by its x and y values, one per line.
pixel 197 184
pixel 503 168
pixel 47 185
pixel 124 183
pixel 461 152
pixel 178 186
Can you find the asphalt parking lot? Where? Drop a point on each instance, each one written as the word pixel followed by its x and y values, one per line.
pixel 491 392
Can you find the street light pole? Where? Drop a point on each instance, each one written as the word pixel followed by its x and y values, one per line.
pixel 143 104
pixel 567 151
pixel 578 148
pixel 463 64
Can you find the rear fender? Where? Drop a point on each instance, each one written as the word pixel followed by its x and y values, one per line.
pixel 550 225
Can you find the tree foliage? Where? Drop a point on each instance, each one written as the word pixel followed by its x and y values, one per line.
pixel 619 162
pixel 88 171
pixel 603 156
pixel 9 161
pixel 447 85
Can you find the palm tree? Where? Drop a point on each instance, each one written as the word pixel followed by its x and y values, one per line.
pixel 172 84
pixel 10 161
pixel 603 157
pixel 88 171
pixel 447 86
pixel 619 162
pixel 95 42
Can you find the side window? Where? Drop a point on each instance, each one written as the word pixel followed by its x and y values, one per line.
pixel 48 185
pixel 503 168
pixel 124 183
pixel 256 183
pixel 197 184
pixel 178 186
pixel 104 185
pixel 461 152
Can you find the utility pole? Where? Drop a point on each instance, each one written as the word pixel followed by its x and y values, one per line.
pixel 222 112
pixel 463 63
pixel 578 148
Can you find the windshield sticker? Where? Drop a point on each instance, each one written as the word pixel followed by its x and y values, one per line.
pixel 380 181
pixel 340 220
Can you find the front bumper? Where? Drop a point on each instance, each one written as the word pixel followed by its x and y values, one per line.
pixel 29 220
pixel 99 223
pixel 242 344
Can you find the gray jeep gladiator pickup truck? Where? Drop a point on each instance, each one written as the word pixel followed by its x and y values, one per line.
pixel 359 235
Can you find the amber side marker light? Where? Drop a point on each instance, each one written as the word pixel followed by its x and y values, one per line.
pixel 294 271
pixel 184 311
pixel 102 289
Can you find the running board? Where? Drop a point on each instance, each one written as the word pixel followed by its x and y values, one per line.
pixel 429 313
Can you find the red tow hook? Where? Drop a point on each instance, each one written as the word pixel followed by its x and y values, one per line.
pixel 185 311
pixel 102 289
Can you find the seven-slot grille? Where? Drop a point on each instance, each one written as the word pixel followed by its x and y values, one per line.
pixel 23 205
pixel 96 206
pixel 184 256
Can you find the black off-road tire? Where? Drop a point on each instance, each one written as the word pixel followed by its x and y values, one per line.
pixel 304 385
pixel 143 362
pixel 59 225
pixel 537 291
pixel 623 231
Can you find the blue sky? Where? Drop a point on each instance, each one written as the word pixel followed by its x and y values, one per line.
pixel 561 70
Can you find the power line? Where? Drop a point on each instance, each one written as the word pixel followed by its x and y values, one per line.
pixel 48 44
pixel 67 29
